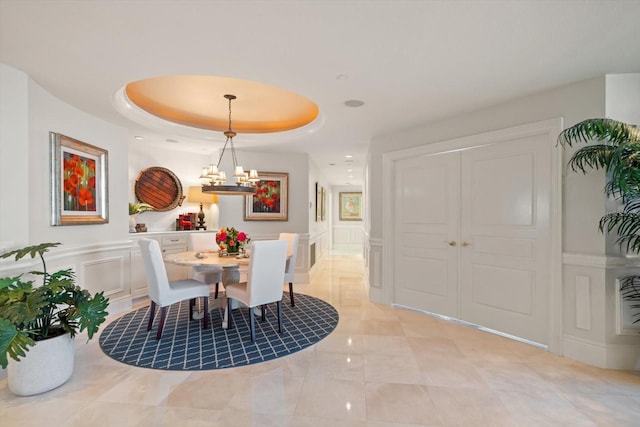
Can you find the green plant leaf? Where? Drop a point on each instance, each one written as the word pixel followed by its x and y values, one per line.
pixel 13 343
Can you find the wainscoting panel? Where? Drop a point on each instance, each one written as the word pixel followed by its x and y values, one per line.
pixel 106 275
pixel 596 322
pixel 583 303
pixel 373 263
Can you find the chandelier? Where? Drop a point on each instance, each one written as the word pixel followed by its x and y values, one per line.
pixel 215 181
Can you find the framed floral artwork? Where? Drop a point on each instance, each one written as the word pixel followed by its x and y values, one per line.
pixel 323 206
pixel 79 191
pixel 270 201
pixel 350 206
pixel 318 202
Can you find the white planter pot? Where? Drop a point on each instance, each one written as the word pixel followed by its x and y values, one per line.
pixel 47 365
pixel 133 220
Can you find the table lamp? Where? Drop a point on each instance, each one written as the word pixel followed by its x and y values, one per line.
pixel 197 196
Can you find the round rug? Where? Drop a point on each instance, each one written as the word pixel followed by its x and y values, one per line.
pixel 184 346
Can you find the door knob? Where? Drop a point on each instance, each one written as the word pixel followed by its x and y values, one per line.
pixel 452 243
pixel 465 244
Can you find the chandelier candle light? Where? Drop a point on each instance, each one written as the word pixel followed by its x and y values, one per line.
pixel 215 180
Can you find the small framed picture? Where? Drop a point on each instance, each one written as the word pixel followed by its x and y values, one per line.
pixel 270 201
pixel 323 204
pixel 318 202
pixel 79 191
pixel 350 206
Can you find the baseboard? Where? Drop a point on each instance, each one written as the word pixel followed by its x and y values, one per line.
pixel 612 356
pixel 118 306
pixel 376 295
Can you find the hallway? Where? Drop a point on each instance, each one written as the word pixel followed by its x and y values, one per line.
pixel 382 366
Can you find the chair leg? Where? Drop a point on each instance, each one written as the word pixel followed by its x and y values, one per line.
pixel 205 324
pixel 252 322
pixel 163 317
pixel 263 312
pixel 152 314
pixel 291 294
pixel 192 303
pixel 216 293
pixel 279 316
pixel 229 314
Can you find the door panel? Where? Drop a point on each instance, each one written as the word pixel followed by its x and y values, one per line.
pixel 498 180
pixel 427 218
pixel 504 263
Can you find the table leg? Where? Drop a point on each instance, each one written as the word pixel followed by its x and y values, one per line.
pixel 230 275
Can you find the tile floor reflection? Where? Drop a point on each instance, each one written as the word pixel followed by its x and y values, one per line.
pixel 382 366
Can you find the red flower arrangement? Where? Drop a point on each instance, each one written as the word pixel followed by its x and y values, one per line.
pixel 231 240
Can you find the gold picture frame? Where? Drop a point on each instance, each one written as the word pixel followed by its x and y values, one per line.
pixel 271 200
pixel 350 208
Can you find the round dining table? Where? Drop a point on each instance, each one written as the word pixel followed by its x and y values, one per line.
pixel 230 267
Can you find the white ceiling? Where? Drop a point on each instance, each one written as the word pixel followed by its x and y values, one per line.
pixel 410 61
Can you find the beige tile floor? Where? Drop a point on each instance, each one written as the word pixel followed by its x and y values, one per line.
pixel 382 366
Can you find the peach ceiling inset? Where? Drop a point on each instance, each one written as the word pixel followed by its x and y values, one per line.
pixel 197 101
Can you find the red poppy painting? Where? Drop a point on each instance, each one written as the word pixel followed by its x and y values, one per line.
pixel 79 182
pixel 269 202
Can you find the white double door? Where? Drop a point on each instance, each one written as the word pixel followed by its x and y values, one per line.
pixel 472 235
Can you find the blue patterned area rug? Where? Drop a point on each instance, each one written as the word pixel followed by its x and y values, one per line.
pixel 186 347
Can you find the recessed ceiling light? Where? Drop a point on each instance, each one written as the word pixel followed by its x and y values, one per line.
pixel 139 137
pixel 354 103
pixel 349 170
pixel 174 141
pixel 332 164
pixel 342 77
pixel 348 156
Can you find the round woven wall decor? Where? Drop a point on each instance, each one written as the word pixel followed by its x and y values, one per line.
pixel 160 188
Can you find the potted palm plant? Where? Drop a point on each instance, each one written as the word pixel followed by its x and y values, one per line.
pixel 136 209
pixel 39 321
pixel 617 152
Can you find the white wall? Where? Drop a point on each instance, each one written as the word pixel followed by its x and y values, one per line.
pixel 319 231
pixel 575 102
pixel 295 164
pixel 27 190
pixel 14 155
pixel 347 236
pixel 623 93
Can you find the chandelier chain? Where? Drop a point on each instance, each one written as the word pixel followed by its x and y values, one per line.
pixel 215 180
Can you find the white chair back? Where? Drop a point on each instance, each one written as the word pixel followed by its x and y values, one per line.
pixel 266 271
pixel 292 252
pixel 157 279
pixel 202 242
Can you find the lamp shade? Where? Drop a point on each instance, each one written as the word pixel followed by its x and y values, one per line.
pixel 196 195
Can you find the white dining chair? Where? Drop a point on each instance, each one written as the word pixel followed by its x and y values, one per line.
pixel 264 281
pixel 210 275
pixel 163 293
pixel 292 252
